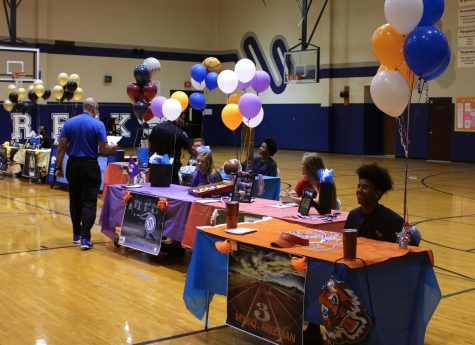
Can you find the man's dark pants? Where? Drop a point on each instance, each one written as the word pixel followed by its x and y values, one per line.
pixel 84 179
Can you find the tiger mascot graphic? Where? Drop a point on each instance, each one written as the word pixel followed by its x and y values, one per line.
pixel 345 318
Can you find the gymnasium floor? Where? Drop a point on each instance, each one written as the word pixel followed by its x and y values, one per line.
pixel 53 293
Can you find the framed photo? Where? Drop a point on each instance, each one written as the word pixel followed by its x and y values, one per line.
pixel 30 167
pixel 307 200
pixel 265 303
pixel 142 225
pixel 3 159
pixel 243 186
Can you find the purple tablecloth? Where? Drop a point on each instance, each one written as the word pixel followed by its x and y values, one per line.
pixel 179 203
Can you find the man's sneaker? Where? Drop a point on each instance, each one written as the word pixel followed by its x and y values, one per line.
pixel 86 244
pixel 76 239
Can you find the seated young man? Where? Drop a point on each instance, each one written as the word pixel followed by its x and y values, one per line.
pixel 371 219
pixel 264 164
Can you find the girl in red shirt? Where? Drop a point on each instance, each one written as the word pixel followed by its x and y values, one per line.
pixel 310 164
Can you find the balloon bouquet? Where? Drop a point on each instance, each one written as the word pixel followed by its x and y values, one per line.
pixel 68 88
pixel 246 108
pixel 17 96
pixel 143 90
pixel 408 46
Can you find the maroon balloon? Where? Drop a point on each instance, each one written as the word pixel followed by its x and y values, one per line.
pixel 148 115
pixel 134 91
pixel 149 91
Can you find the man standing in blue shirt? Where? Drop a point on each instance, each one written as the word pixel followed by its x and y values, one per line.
pixel 80 138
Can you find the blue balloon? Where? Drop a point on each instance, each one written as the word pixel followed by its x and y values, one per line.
pixel 433 10
pixel 197 101
pixel 140 109
pixel 141 74
pixel 198 72
pixel 211 80
pixel 425 50
pixel 440 70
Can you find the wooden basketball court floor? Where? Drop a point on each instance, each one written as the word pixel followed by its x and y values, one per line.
pixel 53 293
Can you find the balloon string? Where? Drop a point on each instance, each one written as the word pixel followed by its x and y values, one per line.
pixel 406 168
pixel 236 146
pixel 404 131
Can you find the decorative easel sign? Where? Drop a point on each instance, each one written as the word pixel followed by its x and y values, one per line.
pixel 265 295
pixel 142 226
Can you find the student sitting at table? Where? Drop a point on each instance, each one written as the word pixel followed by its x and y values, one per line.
pixel 197 143
pixel 311 163
pixel 45 141
pixel 264 164
pixel 371 219
pixel 205 172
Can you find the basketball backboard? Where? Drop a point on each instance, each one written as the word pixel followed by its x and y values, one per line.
pixel 26 60
pixel 302 66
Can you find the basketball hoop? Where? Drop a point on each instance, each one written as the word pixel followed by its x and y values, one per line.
pixel 18 77
pixel 290 79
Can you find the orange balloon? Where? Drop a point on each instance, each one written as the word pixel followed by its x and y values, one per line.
pixel 408 75
pixel 181 97
pixel 233 98
pixel 405 71
pixel 388 46
pixel 231 116
pixel 382 68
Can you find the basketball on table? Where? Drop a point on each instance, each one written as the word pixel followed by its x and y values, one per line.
pixel 231 166
pixel 212 64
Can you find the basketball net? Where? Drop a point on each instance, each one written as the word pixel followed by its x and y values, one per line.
pixel 292 78
pixel 18 77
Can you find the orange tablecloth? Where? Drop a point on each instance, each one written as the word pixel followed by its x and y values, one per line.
pixel 371 251
pixel 115 174
pixel 200 215
pixel 404 289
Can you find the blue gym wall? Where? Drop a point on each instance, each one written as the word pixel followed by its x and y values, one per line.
pixel 310 127
pixel 294 126
pixel 304 117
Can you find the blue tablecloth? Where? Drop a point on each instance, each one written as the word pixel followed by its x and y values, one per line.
pixel 271 188
pixel 405 292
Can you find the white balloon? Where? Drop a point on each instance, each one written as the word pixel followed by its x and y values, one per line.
pixel 152 64
pixel 245 70
pixel 157 84
pixel 171 109
pixel 390 92
pixel 255 121
pixel 403 15
pixel 227 81
pixel 198 86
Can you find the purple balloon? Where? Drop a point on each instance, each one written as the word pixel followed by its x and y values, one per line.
pixel 156 106
pixel 261 81
pixel 249 105
pixel 244 86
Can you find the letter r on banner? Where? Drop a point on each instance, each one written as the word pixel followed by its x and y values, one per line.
pixel 21 124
